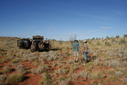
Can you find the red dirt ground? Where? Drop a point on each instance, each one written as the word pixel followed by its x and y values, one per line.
pixel 34 79
pixel 31 79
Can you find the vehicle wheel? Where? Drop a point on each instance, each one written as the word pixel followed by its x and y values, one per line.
pixel 33 48
pixel 41 46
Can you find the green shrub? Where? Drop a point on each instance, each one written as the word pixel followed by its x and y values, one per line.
pixel 97 74
pixel 6 69
pixel 107 44
pixel 98 43
pixel 14 78
pixel 10 54
pixel 119 73
pixel 20 69
pixel 2 77
pixel 115 63
pixel 100 82
pixel 64 81
pixel 46 80
pixel 71 71
pixel 42 69
pixel 111 78
pixel 122 41
pixel 16 60
pixel 60 71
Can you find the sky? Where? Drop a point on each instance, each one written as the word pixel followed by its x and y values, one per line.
pixel 63 19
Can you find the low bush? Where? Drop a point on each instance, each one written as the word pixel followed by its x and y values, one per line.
pixel 20 69
pixel 64 81
pixel 16 60
pixel 14 79
pixel 46 79
pixel 6 69
pixel 42 69
pixel 97 74
pixel 2 78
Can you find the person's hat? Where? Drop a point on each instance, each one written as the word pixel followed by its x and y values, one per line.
pixel 84 40
pixel 75 40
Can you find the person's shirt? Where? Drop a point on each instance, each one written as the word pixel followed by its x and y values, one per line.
pixel 75 46
pixel 86 47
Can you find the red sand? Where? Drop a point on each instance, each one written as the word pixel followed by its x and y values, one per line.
pixel 33 79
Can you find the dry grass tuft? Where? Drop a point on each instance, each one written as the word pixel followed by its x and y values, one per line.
pixel 14 78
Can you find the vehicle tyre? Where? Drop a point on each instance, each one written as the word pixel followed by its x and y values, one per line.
pixel 33 47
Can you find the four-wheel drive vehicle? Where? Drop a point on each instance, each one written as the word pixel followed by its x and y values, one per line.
pixel 36 44
pixel 24 43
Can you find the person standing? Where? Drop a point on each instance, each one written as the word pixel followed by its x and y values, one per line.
pixel 85 51
pixel 76 50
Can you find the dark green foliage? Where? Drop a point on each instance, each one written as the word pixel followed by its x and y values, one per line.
pixel 125 36
pixel 107 43
pixel 14 78
pixel 117 36
pixel 122 41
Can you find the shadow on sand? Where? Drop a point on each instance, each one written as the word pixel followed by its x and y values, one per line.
pixel 90 58
pixel 47 50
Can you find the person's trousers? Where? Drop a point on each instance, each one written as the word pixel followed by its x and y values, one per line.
pixel 86 56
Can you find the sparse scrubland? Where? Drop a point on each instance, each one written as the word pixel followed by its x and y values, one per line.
pixel 107 66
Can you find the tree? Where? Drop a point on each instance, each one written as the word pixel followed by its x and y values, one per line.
pixel 117 36
pixel 125 36
pixel 107 37
pixel 93 39
pixel 73 37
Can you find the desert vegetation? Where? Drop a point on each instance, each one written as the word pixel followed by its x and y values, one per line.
pixel 107 66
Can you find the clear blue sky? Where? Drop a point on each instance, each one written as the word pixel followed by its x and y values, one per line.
pixel 60 19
